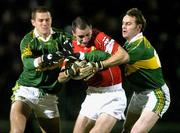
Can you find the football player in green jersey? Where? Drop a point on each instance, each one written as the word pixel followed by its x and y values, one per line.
pixel 143 75
pixel 42 52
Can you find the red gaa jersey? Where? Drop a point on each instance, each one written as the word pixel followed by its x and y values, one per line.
pixel 101 41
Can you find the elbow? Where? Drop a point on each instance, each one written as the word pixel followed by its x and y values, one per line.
pixel 125 58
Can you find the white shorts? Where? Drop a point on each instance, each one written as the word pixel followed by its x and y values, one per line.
pixel 157 100
pixel 111 100
pixel 43 104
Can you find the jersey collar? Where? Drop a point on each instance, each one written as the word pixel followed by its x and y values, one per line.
pixel 37 35
pixel 138 36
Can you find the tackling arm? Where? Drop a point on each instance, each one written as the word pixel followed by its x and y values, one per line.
pixel 94 56
pixel 120 57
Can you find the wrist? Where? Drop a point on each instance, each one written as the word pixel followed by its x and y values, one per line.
pixel 37 62
pixel 81 55
pixel 100 65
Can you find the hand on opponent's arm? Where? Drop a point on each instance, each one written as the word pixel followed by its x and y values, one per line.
pixel 49 61
pixel 52 58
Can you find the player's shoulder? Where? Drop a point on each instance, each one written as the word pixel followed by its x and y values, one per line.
pixel 97 32
pixel 28 37
pixel 99 35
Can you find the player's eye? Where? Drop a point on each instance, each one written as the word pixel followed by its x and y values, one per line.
pixel 82 36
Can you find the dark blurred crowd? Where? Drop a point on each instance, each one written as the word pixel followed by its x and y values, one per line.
pixel 163 30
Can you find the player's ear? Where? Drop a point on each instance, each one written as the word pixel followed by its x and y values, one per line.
pixel 32 22
pixel 140 27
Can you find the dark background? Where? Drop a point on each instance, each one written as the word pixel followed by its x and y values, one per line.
pixel 163 31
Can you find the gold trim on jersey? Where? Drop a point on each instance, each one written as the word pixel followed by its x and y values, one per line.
pixel 151 63
pixel 15 88
pixel 26 51
pixel 161 100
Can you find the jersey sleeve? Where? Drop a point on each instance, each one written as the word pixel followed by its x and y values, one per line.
pixel 96 55
pixel 140 50
pixel 27 54
pixel 106 43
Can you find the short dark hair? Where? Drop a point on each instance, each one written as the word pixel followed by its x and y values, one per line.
pixel 81 22
pixel 138 15
pixel 38 9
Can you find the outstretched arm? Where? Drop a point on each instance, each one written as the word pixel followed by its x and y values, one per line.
pixel 93 56
pixel 118 58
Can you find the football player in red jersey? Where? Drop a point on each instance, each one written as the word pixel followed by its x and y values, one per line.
pixel 105 101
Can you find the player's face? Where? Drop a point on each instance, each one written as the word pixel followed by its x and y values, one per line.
pixel 129 27
pixel 42 23
pixel 83 37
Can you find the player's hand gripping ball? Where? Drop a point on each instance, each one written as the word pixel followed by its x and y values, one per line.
pixel 82 70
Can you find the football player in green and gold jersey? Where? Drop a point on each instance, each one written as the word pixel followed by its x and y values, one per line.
pixel 143 75
pixel 42 52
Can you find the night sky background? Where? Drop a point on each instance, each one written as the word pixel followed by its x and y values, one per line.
pixel 163 31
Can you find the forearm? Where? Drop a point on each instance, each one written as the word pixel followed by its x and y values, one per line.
pixel 120 57
pixel 28 63
pixel 94 56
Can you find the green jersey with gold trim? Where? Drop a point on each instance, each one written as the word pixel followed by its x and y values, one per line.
pixel 32 47
pixel 143 71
